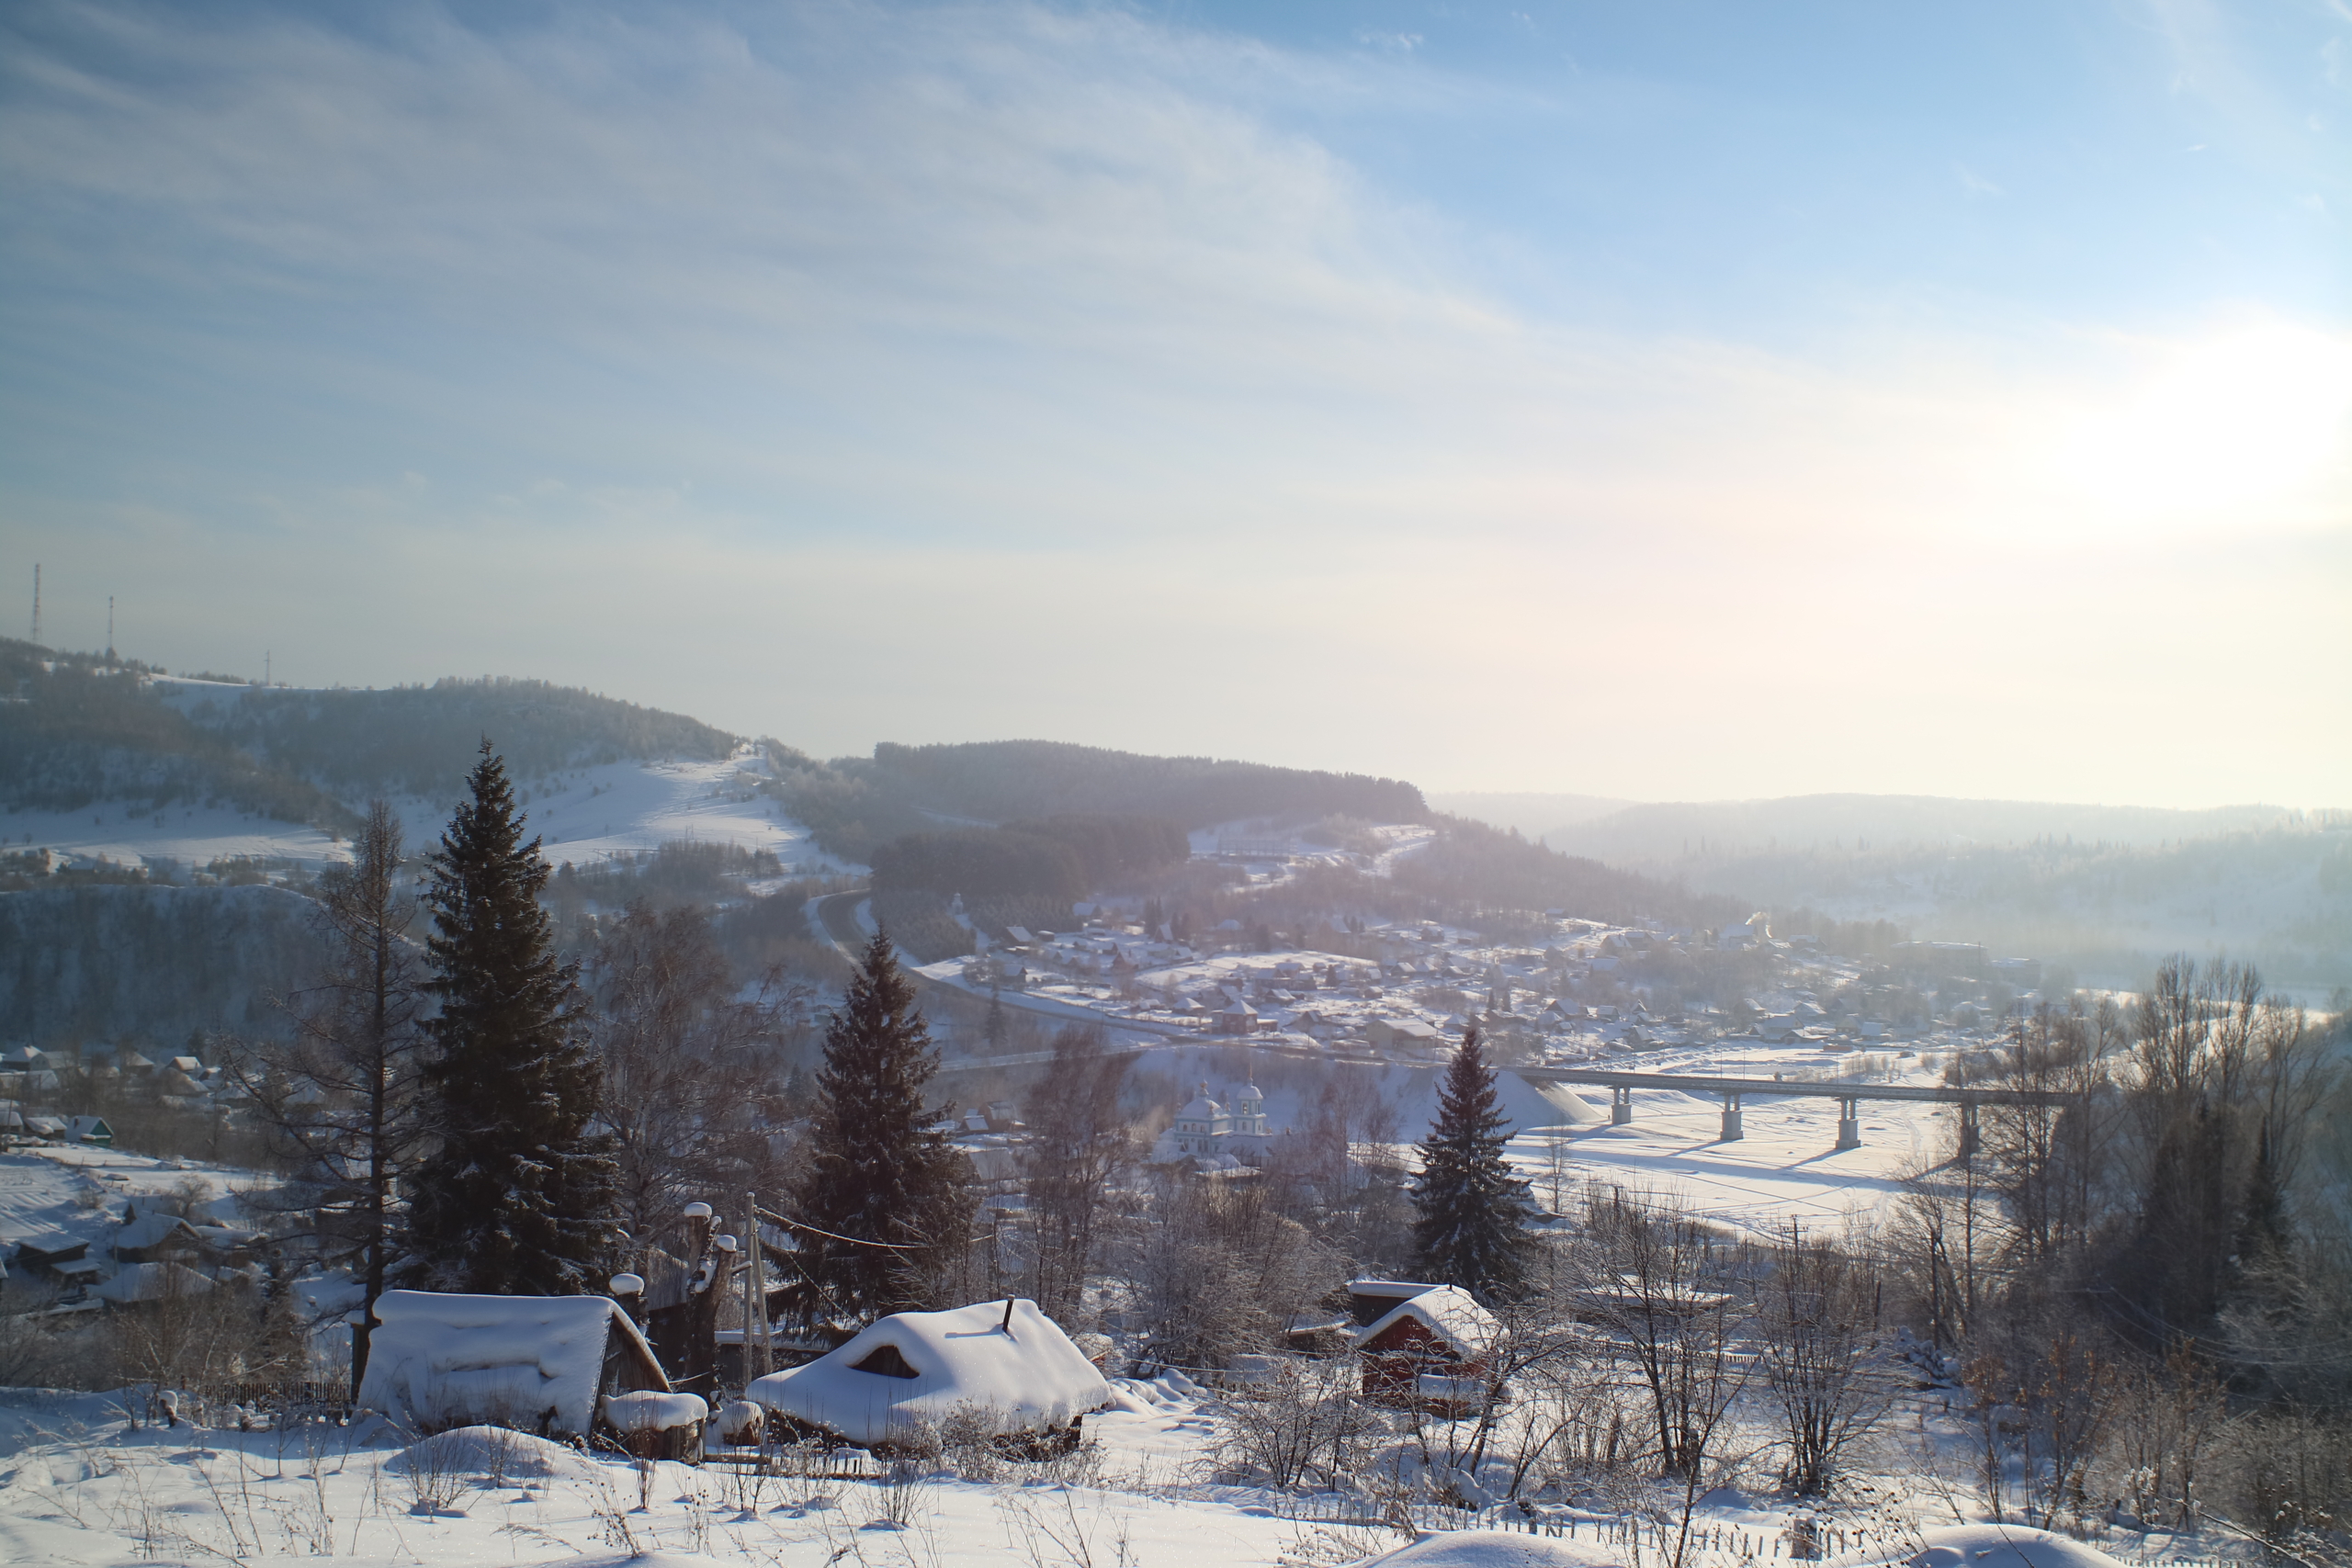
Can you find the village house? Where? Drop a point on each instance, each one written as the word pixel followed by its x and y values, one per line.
pixel 1410 1034
pixel 543 1364
pixel 59 1258
pixel 1430 1350
pixel 152 1237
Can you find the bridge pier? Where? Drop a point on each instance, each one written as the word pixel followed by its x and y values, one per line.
pixel 1849 1124
pixel 1732 1133
pixel 1971 1140
pixel 1621 1107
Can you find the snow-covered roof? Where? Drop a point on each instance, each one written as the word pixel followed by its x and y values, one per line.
pixel 646 1411
pixel 148 1229
pixel 1449 1313
pixel 152 1282
pixel 1024 1371
pixel 449 1360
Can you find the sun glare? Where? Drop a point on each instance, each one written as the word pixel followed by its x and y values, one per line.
pixel 2252 415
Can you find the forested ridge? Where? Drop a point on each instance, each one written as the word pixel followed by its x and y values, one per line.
pixel 81 728
pixel 857 804
pixel 415 739
pixel 77 731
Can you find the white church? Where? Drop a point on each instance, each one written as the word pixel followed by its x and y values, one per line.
pixel 1211 1134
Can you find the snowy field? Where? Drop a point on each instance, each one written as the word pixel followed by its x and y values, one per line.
pixel 589 814
pixel 1786 1168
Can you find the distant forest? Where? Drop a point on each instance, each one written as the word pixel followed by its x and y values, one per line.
pixel 420 740
pixel 1065 857
pixel 855 806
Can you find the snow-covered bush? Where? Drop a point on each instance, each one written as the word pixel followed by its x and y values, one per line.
pixel 491 1456
pixel 1303 1423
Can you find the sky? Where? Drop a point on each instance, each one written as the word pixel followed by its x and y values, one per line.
pixel 1656 399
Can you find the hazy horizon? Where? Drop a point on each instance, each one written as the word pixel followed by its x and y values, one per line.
pixel 1663 403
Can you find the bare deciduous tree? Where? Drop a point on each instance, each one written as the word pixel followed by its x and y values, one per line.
pixel 344 1091
pixel 685 1060
pixel 1078 1144
pixel 1817 1330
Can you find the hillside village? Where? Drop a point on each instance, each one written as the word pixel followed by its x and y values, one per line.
pixel 1404 990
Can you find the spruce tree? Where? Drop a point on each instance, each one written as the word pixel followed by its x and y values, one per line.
pixel 516 1197
pixel 880 1180
pixel 1471 1213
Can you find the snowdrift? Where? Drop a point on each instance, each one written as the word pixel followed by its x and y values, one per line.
pixel 1568 1108
pixel 1498 1549
pixel 493 1452
pixel 2005 1546
pixel 915 1367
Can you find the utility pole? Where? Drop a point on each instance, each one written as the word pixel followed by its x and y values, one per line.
pixel 756 1364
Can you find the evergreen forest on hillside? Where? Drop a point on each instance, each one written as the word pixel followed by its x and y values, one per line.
pixel 84 728
pixel 855 805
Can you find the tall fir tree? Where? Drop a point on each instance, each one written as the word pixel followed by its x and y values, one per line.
pixel 516 1197
pixel 1471 1213
pixel 879 1178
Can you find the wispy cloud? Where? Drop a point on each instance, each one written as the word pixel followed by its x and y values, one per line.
pixel 946 350
pixel 1974 183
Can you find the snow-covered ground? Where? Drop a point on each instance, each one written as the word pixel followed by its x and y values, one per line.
pixel 82 1485
pixel 93 1480
pixel 193 836
pixel 80 1192
pixel 1268 854
pixel 1786 1168
pixel 588 813
pixel 632 807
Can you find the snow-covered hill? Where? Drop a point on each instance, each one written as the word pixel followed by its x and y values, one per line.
pixel 584 814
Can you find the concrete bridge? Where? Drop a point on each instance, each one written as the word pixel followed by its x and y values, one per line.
pixel 1850 1097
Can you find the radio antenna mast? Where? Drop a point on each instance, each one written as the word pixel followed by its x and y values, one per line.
pixel 110 628
pixel 36 603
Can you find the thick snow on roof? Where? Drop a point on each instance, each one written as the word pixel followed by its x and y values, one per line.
pixel 154 1282
pixel 1028 1375
pixel 649 1412
pixel 1448 1312
pixel 2004 1546
pixel 148 1229
pixel 439 1359
pixel 1499 1548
